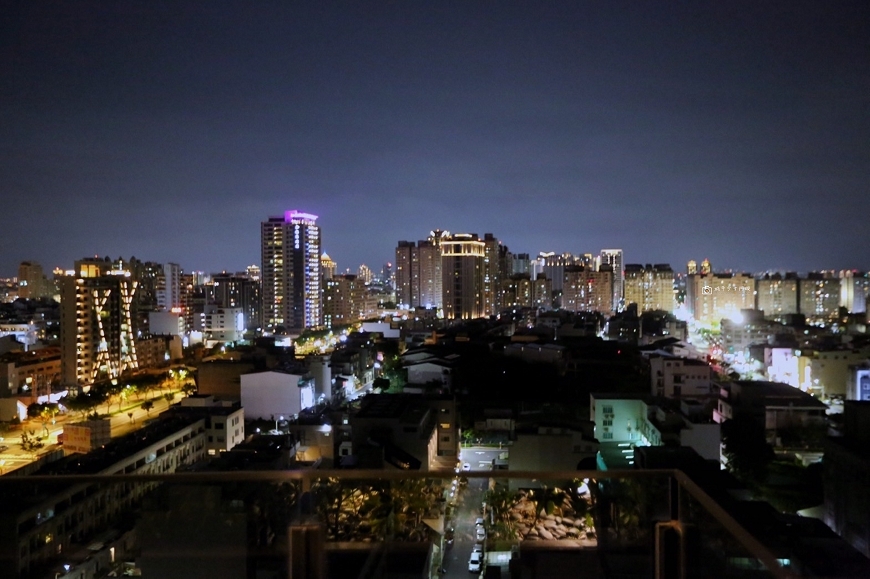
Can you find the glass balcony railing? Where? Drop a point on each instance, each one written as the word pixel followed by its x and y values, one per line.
pixel 317 524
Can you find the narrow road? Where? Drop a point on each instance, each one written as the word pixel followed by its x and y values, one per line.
pixel 468 509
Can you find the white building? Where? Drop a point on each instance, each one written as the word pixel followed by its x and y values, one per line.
pixel 673 377
pixel 623 421
pixel 224 422
pixel 432 370
pixel 271 394
pixel 166 323
pixel 221 325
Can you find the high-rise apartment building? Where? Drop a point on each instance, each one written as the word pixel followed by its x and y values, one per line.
pixel 327 266
pixel 430 263
pixel 651 287
pixel 712 297
pixel 520 263
pixel 32 283
pixel 853 291
pixel 237 290
pixel 290 249
pixel 365 274
pixel 613 258
pixel 407 274
pixel 553 266
pixel 343 300
pixel 462 269
pixel 169 288
pixel 587 290
pixel 777 295
pixel 520 291
pixel 492 274
pixel 418 271
pixel 98 330
pixel 692 267
pixel 819 297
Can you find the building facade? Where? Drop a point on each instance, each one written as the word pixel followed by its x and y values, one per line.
pixel 651 287
pixel 819 297
pixel 462 270
pixel 711 297
pixel 613 258
pixel 291 248
pixel 97 327
pixel 777 294
pixel 586 290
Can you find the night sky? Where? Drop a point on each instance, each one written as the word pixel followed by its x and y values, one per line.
pixel 676 130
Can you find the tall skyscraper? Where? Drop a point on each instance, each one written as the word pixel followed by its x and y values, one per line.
pixel 587 290
pixel 430 263
pixel 650 287
pixel 365 274
pixel 290 249
pixel 32 283
pixel 520 263
pixel 553 265
pixel 98 312
pixel 407 274
pixel 462 267
pixel 492 275
pixel 418 271
pixel 169 288
pixel 777 295
pixel 238 291
pixel 613 258
pixel 819 298
pixel 327 266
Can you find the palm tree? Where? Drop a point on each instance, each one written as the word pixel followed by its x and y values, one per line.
pixel 501 502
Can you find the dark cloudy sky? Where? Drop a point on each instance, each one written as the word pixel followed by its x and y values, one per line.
pixel 168 130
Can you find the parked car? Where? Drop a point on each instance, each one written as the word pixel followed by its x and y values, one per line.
pixel 475 562
pixel 478 522
pixel 479 533
pixel 478 548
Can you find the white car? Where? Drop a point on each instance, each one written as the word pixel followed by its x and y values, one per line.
pixel 475 562
pixel 466 466
pixel 480 533
pixel 478 522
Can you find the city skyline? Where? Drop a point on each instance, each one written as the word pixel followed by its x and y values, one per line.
pixel 674 132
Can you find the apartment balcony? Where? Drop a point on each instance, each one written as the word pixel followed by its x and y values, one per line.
pixel 318 524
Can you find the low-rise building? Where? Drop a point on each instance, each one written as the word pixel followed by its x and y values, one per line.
pixel 847 478
pixel 83 437
pixel 549 448
pixel 623 421
pixel 674 377
pixel 224 420
pixel 155 351
pixel 830 370
pixel 29 373
pixel 780 407
pixel 407 431
pixel 42 524
pixel 269 394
